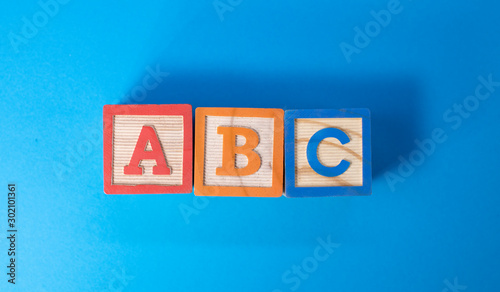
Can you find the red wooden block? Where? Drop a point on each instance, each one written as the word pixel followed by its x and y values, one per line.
pixel 148 149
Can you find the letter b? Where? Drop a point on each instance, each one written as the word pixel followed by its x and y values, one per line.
pixel 383 17
pixel 51 7
pixel 230 150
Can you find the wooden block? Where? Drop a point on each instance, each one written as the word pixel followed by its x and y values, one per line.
pixel 148 149
pixel 327 153
pixel 239 152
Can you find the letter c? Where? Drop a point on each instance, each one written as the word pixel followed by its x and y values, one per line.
pixel 312 152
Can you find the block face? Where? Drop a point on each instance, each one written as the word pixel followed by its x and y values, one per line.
pixel 327 152
pixel 239 152
pixel 330 152
pixel 126 131
pixel 147 149
pixel 213 160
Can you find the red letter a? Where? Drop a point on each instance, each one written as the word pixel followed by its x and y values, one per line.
pixel 148 134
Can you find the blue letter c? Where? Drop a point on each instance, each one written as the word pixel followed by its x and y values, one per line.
pixel 312 150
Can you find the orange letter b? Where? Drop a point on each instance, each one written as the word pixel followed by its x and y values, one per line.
pixel 229 151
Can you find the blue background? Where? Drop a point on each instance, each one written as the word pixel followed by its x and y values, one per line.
pixel 437 226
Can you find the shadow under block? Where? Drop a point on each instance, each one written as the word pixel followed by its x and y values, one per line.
pixel 327 153
pixel 148 149
pixel 238 152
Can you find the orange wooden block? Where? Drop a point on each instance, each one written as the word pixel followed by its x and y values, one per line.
pixel 239 152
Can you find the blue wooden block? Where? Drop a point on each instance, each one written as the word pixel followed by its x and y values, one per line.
pixel 327 153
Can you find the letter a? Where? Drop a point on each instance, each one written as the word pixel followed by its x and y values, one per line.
pixel 229 151
pixel 148 134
